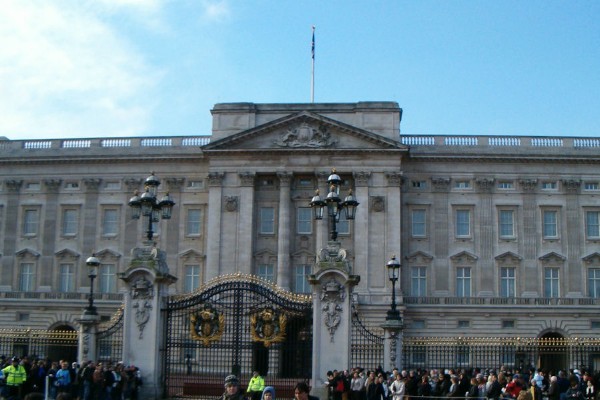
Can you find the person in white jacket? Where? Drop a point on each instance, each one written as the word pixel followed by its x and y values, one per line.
pixel 397 388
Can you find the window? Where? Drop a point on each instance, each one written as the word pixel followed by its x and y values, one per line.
pixel 549 185
pixel 507 324
pixel 195 184
pixel 463 324
pixel 418 324
pixel 419 184
pixel 551 282
pixel 70 222
pixel 304 221
pixel 113 185
pixel 462 184
pixel 27 277
pixel 22 317
pixel 506 226
pixel 72 185
pixel 595 324
pixel 194 222
pixel 266 271
pixel 305 182
pixel 301 281
pixel 591 186
pixel 463 282
pixel 267 220
pixel 592 224
pixel 463 223
pixel 107 278
pixel 507 282
pixel 110 222
pixel 594 282
pixel 32 186
pixel 192 278
pixel 419 223
pixel 66 278
pixel 550 221
pixel 506 185
pixel 418 281
pixel 343 225
pixel 30 222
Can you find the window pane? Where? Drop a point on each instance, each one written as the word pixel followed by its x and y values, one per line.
pixel 108 278
pixel 194 221
pixel 343 226
pixel 507 282
pixel 592 224
pixel 30 222
pixel 109 222
pixel 418 281
pixel 301 281
pixel 506 223
pixel 551 282
pixel 26 277
pixel 67 278
pixel 266 271
pixel 304 220
pixel 192 278
pixel 69 222
pixel 594 282
pixel 267 220
pixel 463 223
pixel 463 282
pixel 418 223
pixel 550 221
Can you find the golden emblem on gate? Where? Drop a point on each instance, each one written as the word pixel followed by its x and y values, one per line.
pixel 268 326
pixel 207 325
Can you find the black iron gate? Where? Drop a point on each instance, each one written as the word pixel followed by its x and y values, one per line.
pixel 236 324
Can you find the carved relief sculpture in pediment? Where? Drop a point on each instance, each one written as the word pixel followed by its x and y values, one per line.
pixel 305 135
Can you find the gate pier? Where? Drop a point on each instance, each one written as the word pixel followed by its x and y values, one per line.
pixel 147 279
pixel 332 285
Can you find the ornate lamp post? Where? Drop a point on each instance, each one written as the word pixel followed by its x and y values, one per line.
pixel 147 205
pixel 393 267
pixel 335 205
pixel 93 263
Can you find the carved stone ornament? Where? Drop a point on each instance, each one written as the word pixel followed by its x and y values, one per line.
pixel 305 135
pixel 216 178
pixel 528 184
pixel 377 203
pixel 394 178
pixel 231 203
pixel 142 314
pixel 485 184
pixel 332 296
pixel 247 178
pixel 571 185
pixel 440 184
pixel 142 292
pixel 393 348
pixel 207 325
pixel 267 326
pixel 361 178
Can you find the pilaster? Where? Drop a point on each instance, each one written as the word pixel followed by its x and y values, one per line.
pixel 283 232
pixel 215 193
pixel 245 210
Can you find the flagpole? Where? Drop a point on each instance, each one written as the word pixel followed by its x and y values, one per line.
pixel 312 75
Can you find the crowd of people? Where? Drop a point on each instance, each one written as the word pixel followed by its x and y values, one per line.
pixel 234 390
pixel 501 384
pixel 25 378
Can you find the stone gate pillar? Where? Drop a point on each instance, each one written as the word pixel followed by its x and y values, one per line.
pixel 332 314
pixel 147 279
pixel 392 346
pixel 88 326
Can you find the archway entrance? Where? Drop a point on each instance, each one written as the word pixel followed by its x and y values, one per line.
pixel 62 348
pixel 552 352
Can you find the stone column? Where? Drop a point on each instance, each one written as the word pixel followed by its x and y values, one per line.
pixel 393 211
pixel 361 222
pixel 147 280
pixel 332 314
pixel 215 192
pixel 573 238
pixel 486 237
pixel 441 235
pixel 245 234
pixel 49 231
pixel 392 345
pixel 283 232
pixel 10 241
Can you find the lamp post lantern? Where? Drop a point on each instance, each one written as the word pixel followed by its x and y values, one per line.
pixel 335 205
pixel 147 205
pixel 92 263
pixel 393 267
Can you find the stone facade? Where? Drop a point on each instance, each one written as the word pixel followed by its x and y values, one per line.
pixel 498 236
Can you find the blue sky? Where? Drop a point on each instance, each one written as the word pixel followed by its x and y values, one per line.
pixel 108 68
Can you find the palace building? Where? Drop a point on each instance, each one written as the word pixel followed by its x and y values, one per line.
pixel 497 236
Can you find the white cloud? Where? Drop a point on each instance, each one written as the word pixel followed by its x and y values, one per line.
pixel 66 72
pixel 216 10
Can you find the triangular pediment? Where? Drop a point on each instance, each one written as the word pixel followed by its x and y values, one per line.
pixel 508 258
pixel 419 257
pixel 304 131
pixel 464 257
pixel 593 258
pixel 553 257
pixel 191 255
pixel 67 253
pixel 27 253
pixel 108 254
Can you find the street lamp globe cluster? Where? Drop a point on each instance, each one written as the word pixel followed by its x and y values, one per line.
pixel 393 267
pixel 334 204
pixel 147 205
pixel 92 263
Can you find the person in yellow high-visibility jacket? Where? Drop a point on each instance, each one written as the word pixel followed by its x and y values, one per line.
pixel 14 376
pixel 256 386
